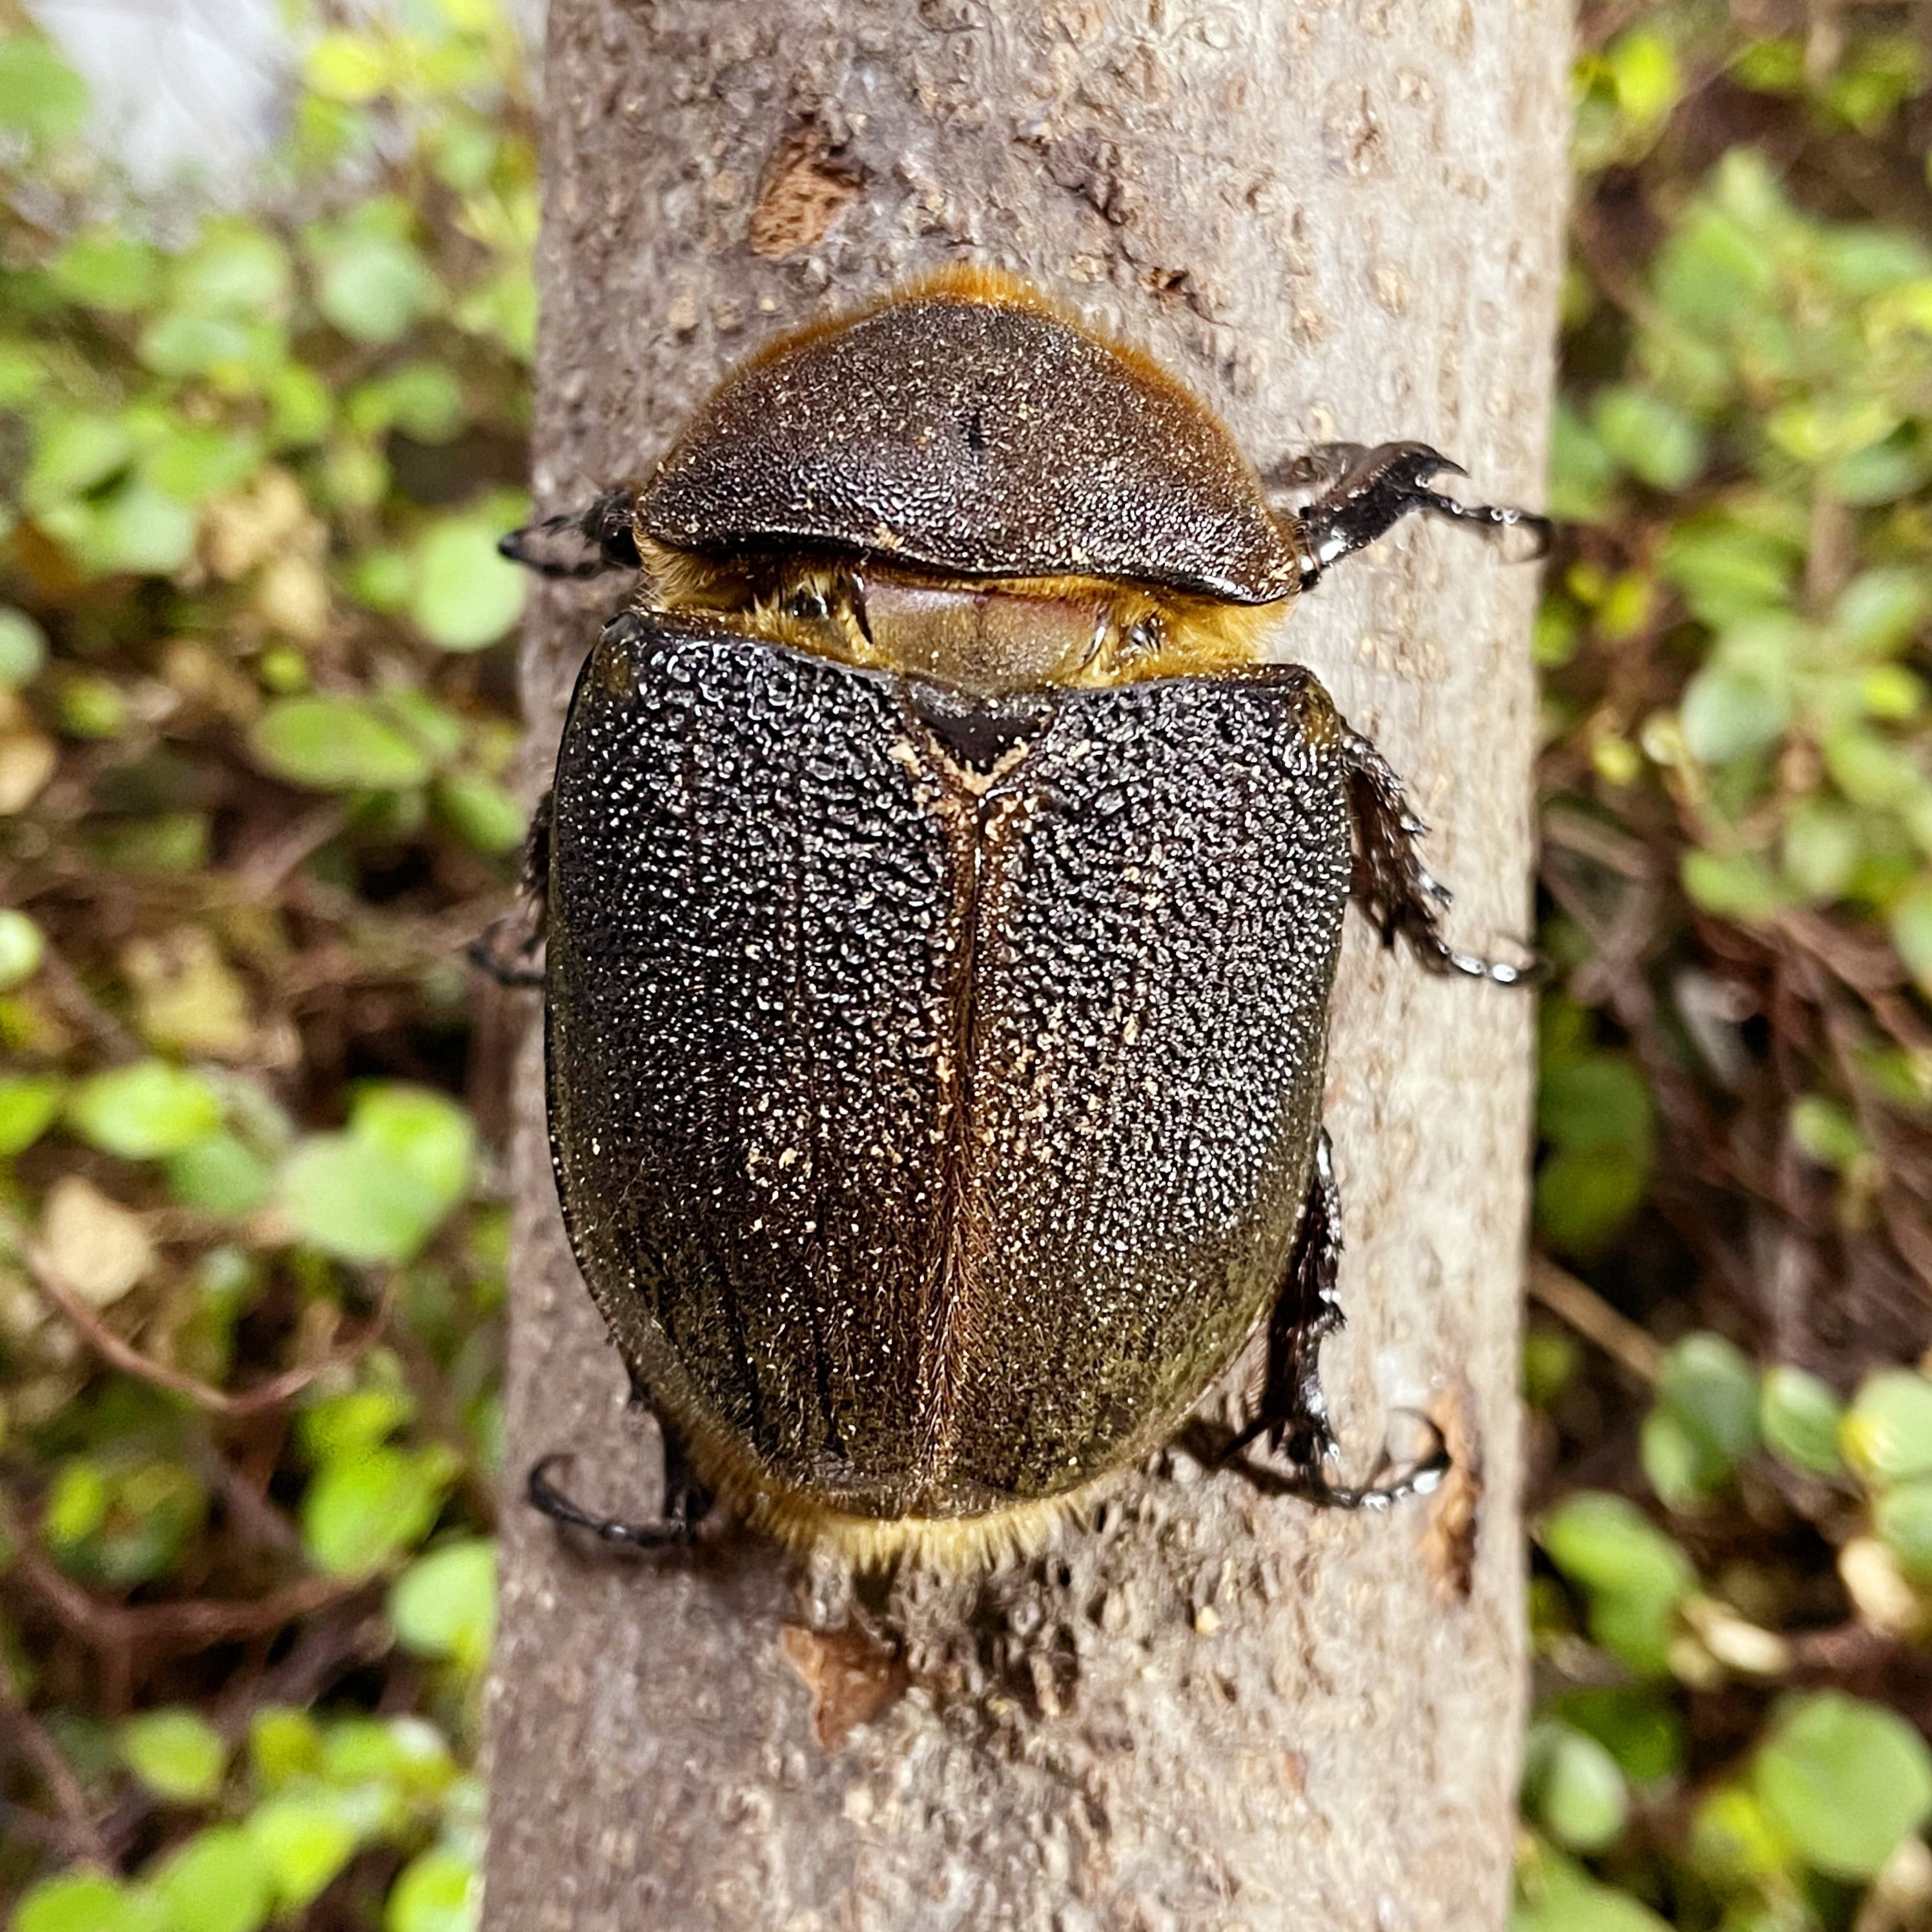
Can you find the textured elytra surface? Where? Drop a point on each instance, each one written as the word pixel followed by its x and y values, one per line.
pixel 973 436
pixel 935 1143
pixel 1207 1710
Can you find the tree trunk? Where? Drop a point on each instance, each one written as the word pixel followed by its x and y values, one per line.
pixel 1204 1709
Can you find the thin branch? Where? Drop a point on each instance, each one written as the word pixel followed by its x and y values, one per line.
pixel 1594 1319
pixel 176 1629
pixel 82 1835
pixel 122 1354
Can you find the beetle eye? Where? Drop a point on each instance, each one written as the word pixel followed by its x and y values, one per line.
pixel 807 603
pixel 1143 637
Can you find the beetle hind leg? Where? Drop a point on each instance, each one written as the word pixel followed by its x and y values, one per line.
pixel 686 1503
pixel 1402 899
pixel 1292 1414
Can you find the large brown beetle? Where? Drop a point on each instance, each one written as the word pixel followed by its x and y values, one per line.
pixel 942 898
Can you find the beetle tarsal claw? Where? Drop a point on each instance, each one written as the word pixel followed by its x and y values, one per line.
pixel 678 1526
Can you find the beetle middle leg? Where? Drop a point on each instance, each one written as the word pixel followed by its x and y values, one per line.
pixel 506 949
pixel 1361 492
pixel 1402 899
pixel 1292 1413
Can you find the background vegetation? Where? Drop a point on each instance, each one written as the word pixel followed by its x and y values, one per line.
pixel 256 715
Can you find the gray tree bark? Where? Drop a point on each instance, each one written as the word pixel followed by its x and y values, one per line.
pixel 1203 1709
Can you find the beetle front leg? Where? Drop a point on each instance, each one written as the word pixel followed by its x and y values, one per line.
pixel 1363 492
pixel 1402 899
pixel 605 529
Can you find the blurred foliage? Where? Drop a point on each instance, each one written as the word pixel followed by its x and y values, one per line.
pixel 256 719
pixel 257 716
pixel 1732 1593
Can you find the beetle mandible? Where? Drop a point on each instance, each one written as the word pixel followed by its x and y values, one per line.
pixel 942 896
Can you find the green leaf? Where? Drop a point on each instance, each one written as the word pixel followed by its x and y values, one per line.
pixel 437 1892
pixel 23 649
pixel 1731 885
pixel 445 1604
pixel 1727 715
pixel 1903 1518
pixel 106 269
pixel 218 1882
pixel 359 1512
pixel 22 948
pixel 1582 470
pixel 238 268
pixel 374 286
pixel 1636 1576
pixel 1827 1134
pixel 1823 843
pixel 1574 1787
pixel 1846 1781
pixel 1559 1896
pixel 220 1174
pixel 1584 1195
pixel 85 1902
pixel 338 744
pixel 1801 1418
pixel 467 594
pixel 346 1197
pixel 304 1838
pixel 74 452
pixel 425 1133
pixel 137 528
pixel 1912 933
pixel 1734 1843
pixel 1644 74
pixel 1679 1465
pixel 121 1522
pixel 284 1746
pixel 378 1191
pixel 144 1111
pixel 1653 439
pixel 1638 1728
pixel 1713 1390
pixel 41 96
pixel 1596 1100
pixel 177 1754
pixel 29 1104
pixel 192 465
pixel 1888 1435
pixel 1881 611
pixel 481 812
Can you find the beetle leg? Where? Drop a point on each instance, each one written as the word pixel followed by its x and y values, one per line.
pixel 506 948
pixel 686 1502
pixel 1402 899
pixel 605 525
pixel 1293 1412
pixel 1363 492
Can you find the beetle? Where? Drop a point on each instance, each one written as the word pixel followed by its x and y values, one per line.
pixel 942 893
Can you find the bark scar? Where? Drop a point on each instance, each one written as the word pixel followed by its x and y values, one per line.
pixel 805 190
